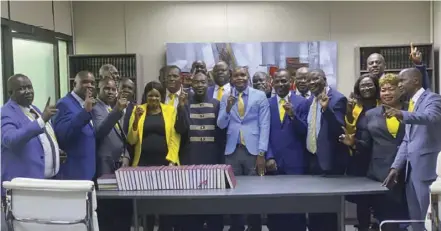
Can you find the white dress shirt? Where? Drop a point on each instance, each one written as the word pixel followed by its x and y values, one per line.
pixel 226 90
pixel 176 99
pixel 81 102
pixel 417 96
pixel 45 143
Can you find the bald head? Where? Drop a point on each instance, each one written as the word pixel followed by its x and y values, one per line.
pixel 20 90
pixel 411 80
pixel 110 71
pixel 221 73
pixel 375 64
pixel 84 83
pixel 261 81
pixel 199 66
pixel 302 70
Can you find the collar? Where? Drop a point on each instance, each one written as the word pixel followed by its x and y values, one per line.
pixel 245 92
pixel 226 86
pixel 417 95
pixel 307 94
pixel 286 98
pixel 78 98
pixel 176 93
pixel 27 109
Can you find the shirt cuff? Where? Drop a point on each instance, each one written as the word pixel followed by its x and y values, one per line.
pixel 260 151
pixel 41 122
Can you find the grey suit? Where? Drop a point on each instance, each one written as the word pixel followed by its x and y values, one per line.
pixel 109 139
pixel 419 149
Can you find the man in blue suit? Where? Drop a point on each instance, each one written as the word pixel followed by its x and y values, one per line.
pixel 286 150
pixel 327 155
pixel 246 116
pixel 420 146
pixel 29 146
pixel 221 75
pixel 74 129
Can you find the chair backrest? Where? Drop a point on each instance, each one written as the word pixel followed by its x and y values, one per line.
pixel 434 209
pixel 34 203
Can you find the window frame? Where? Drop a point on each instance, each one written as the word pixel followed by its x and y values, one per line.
pixel 12 29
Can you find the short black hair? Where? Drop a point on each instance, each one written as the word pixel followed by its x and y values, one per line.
pixel 356 91
pixel 150 86
pixel 320 71
pixel 12 79
pixel 173 67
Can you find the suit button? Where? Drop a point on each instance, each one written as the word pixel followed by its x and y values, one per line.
pixel 41 157
pixel 202 127
pixel 202 116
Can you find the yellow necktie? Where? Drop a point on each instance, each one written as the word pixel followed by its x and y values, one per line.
pixel 241 105
pixel 241 110
pixel 220 93
pixel 171 100
pixel 282 109
pixel 312 139
pixel 116 125
pixel 411 106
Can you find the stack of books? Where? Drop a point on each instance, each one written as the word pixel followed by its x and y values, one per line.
pixel 175 177
pixel 107 182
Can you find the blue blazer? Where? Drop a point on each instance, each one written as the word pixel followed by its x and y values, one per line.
pixel 332 154
pixel 288 138
pixel 76 137
pixel 255 125
pixel 210 91
pixel 22 153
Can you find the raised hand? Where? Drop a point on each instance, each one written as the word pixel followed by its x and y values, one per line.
pixel 183 98
pixel 392 112
pixel 49 111
pixel 230 102
pixel 415 55
pixel 289 108
pixel 323 100
pixel 347 138
pixel 138 113
pixel 89 101
pixel 122 103
pixel 350 107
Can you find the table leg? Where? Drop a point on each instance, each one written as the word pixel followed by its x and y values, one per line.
pixel 135 215
pixel 341 214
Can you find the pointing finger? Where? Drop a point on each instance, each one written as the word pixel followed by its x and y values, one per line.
pixel 411 47
pixel 48 101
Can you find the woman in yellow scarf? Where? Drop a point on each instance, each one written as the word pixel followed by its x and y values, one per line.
pixel 379 140
pixel 364 97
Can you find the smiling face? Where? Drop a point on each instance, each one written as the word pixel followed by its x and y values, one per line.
pixel 200 84
pixel 108 91
pixel 390 94
pixel 367 88
pixel 240 78
pixel 221 74
pixel 282 83
pixel 153 98
pixel 376 64
pixel 316 82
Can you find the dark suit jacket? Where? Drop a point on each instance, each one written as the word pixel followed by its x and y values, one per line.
pixel 125 125
pixel 76 137
pixel 331 153
pixel 109 140
pixel 287 140
pixel 377 140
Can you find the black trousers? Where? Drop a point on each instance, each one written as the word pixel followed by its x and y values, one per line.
pixel 114 214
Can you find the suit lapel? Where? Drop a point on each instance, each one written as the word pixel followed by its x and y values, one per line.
pixel 18 111
pixel 79 106
pixel 106 111
pixel 421 99
pixel 274 104
pixel 249 103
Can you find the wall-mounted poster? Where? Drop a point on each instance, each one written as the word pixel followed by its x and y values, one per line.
pixel 259 56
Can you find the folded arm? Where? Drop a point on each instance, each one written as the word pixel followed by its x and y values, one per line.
pixel 14 137
pixel 68 125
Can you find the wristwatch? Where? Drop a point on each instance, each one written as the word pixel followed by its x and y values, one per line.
pixel 261 154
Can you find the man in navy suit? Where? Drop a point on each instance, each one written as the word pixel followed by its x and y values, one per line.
pixel 74 129
pixel 221 75
pixel 127 87
pixel 327 155
pixel 286 149
pixel 28 143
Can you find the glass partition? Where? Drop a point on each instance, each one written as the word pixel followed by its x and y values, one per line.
pixel 36 60
pixel 62 65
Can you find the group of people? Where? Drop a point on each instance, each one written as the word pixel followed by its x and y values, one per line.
pixel 386 130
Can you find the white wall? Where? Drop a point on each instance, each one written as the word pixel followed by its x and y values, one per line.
pixel 144 27
pixel 39 13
